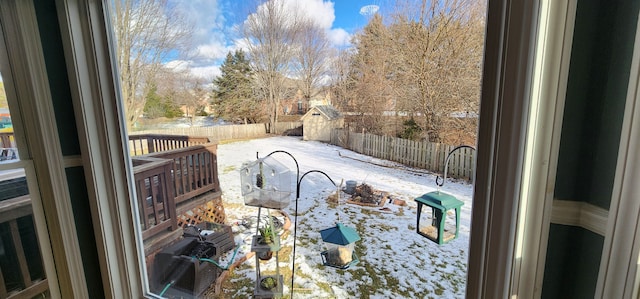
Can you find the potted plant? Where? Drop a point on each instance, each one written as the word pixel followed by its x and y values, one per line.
pixel 268 283
pixel 267 237
pixel 266 233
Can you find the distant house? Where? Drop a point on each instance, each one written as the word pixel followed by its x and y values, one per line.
pixel 318 122
pixel 297 104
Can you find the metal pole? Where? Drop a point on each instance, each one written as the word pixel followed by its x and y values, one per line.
pixel 295 217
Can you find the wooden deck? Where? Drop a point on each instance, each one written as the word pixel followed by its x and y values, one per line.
pixel 173 174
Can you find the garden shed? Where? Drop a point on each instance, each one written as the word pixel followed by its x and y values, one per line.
pixel 318 122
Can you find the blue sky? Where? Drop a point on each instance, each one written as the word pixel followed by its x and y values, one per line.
pixel 215 21
pixel 348 16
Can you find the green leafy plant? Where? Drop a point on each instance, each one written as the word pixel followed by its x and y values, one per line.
pixel 268 283
pixel 411 130
pixel 267 232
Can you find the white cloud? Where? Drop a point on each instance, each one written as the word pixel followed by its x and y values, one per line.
pixel 213 36
pixel 369 10
pixel 320 11
pixel 178 65
pixel 209 41
pixel 212 51
pixel 242 44
pixel 206 72
pixel 205 15
pixel 339 37
pixel 323 13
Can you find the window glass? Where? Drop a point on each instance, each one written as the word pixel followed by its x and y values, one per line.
pixel 197 66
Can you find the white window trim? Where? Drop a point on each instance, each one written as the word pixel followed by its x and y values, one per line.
pixel 84 26
pixel 549 85
pixel 43 156
pixel 618 275
pixel 505 100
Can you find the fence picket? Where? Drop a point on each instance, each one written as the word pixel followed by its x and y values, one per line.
pixel 421 154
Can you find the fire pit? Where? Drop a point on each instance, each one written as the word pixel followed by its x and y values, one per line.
pixel 365 195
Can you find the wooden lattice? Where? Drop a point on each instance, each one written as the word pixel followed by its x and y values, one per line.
pixel 212 211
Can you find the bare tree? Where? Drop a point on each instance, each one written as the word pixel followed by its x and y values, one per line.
pixel 311 58
pixel 341 79
pixel 438 48
pixel 184 90
pixel 194 95
pixel 269 33
pixel 147 32
pixel 372 72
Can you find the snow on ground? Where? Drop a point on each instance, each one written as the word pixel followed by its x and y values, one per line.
pixel 395 262
pixel 177 122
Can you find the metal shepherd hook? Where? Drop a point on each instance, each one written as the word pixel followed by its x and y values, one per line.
pixel 446 163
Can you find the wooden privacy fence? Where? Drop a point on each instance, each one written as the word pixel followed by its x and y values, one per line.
pixel 420 154
pixel 225 132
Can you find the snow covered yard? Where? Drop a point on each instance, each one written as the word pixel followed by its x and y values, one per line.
pixel 395 262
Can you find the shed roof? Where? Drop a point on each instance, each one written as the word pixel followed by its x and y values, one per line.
pixel 327 111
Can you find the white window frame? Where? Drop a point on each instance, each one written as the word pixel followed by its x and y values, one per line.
pixel 39 149
pixel 504 113
pixel 87 39
pixel 549 86
pixel 619 275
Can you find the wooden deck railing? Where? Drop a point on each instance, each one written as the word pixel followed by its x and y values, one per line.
pixel 168 179
pixel 7 140
pixel 152 143
pixel 164 180
pixel 154 190
pixel 194 170
pixel 8 149
pixel 18 228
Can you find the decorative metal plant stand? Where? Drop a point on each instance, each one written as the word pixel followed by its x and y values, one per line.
pixel 266 184
pixel 260 291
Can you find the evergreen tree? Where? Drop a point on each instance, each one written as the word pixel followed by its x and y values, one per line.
pixel 233 97
pixel 158 106
pixel 153 105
